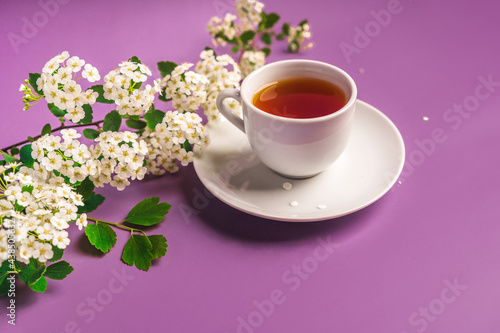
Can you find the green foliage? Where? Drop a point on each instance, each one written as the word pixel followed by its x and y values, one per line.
pixel 32 275
pixel 159 244
pixel 135 59
pixel 55 110
pixel 166 67
pixel 148 212
pixel 266 38
pixel 112 122
pixel 101 236
pixel 47 129
pixel 86 188
pixel 91 133
pixel 99 88
pixel 33 77
pixel 58 253
pixel 25 155
pixel 138 251
pixel 5 269
pixel 59 270
pixel 135 123
pixel 154 117
pixel 247 36
pixel 9 158
pixel 91 203
pixel 88 114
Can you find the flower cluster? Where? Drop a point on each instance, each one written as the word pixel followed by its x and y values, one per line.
pixel 116 158
pixel 296 36
pixel 58 84
pixel 123 85
pixel 248 16
pixel 186 89
pixel 176 139
pixel 248 11
pixel 222 30
pixel 251 60
pixel 222 72
pixel 38 206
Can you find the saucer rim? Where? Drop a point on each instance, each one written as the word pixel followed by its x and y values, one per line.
pixel 277 217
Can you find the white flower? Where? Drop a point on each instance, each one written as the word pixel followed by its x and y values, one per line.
pixel 119 183
pixel 61 239
pixel 61 57
pixel 25 199
pixel 75 63
pixel 42 251
pixel 70 134
pixel 81 221
pixel 13 193
pixel 91 73
pixel 45 232
pixel 50 67
pixel 52 161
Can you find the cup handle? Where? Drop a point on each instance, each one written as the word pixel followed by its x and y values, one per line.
pixel 230 115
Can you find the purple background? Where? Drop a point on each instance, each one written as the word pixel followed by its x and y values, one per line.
pixel 393 263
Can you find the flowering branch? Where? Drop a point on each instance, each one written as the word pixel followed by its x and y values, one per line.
pixel 251 32
pixel 63 126
pixel 47 182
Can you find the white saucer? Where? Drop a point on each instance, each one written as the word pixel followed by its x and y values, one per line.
pixel 366 170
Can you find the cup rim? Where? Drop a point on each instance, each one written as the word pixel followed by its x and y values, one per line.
pixel 344 109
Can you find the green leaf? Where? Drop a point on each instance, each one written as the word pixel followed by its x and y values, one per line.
pixel 99 88
pixel 247 36
pixel 33 77
pixel 40 286
pixel 159 243
pixel 235 49
pixel 28 188
pixel 271 20
pixel 162 97
pixel 154 117
pixel 58 253
pixel 91 133
pixel 9 159
pixel 303 22
pixel 286 29
pixel 55 110
pixel 14 151
pixel 5 268
pixel 266 38
pixel 91 203
pixel 267 51
pixel 59 270
pixel 37 274
pixel 135 59
pixel 88 114
pixel 101 236
pixel 112 122
pixel 25 155
pixel 33 277
pixel 208 48
pixel 293 47
pixel 135 124
pixel 280 36
pixel 148 212
pixel 38 281
pixel 47 129
pixel 166 67
pixel 86 188
pixel 137 251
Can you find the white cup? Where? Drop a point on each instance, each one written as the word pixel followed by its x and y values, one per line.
pixel 293 147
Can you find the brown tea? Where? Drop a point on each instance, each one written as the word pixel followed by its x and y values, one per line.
pixel 300 97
